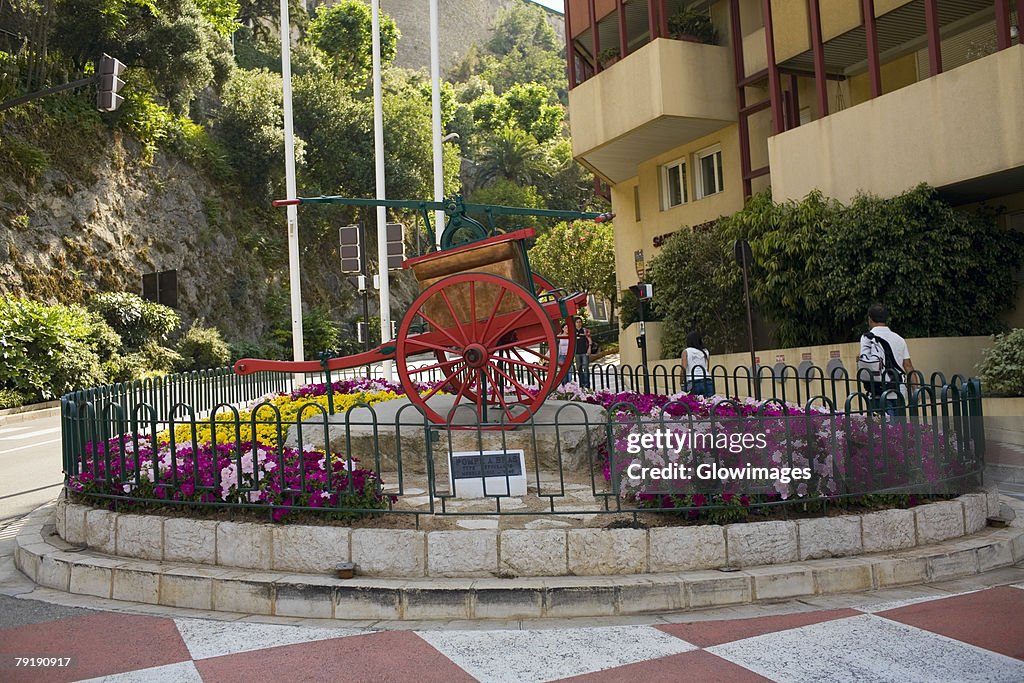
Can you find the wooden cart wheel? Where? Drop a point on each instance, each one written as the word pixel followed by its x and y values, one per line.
pixel 492 341
pixel 542 288
pixel 542 285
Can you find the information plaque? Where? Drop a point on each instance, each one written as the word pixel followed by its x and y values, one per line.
pixel 475 474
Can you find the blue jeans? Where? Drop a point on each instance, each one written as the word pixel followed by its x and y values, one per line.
pixel 583 369
pixel 704 386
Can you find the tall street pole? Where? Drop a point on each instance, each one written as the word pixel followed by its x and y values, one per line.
pixel 435 104
pixel 291 192
pixel 382 217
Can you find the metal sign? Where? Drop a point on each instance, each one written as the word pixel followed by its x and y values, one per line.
pixel 475 474
pixel 487 464
pixel 641 265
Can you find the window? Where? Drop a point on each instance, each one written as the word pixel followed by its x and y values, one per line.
pixel 673 184
pixel 161 287
pixel 636 203
pixel 709 172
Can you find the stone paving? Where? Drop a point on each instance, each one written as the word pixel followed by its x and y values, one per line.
pixel 962 630
pixel 965 636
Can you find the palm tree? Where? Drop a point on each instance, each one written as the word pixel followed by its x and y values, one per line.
pixel 513 154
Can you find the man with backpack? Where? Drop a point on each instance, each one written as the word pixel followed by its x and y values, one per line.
pixel 883 365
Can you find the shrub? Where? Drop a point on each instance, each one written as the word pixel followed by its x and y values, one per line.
pixel 202 347
pixel 697 286
pixel 105 340
pixel 135 319
pixel 319 333
pixel 247 349
pixel 818 264
pixel 693 22
pixel 159 358
pixel 1002 370
pixel 11 398
pixel 45 351
pixel 122 369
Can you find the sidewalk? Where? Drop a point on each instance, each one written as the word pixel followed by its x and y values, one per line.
pixel 967 629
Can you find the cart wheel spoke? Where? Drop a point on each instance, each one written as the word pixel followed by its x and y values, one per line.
pixel 455 316
pixel 493 314
pixel 508 326
pixel 533 372
pixel 522 393
pixel 512 380
pixel 426 346
pixel 435 366
pixel 437 328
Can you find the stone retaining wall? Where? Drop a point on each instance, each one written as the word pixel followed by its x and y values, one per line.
pixel 518 552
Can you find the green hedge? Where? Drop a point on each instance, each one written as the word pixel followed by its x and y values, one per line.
pixel 45 351
pixel 1002 370
pixel 818 265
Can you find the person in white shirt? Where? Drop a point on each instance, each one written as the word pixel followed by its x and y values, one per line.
pixel 563 350
pixel 878 324
pixel 695 361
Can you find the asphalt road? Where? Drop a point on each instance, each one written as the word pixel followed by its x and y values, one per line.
pixel 30 465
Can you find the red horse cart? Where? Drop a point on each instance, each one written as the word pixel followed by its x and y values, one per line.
pixel 483 320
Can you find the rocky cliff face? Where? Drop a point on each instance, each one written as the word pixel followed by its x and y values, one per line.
pixel 66 235
pixel 462 23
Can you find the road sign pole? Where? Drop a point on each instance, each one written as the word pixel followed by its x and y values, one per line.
pixel 382 218
pixel 290 189
pixel 744 257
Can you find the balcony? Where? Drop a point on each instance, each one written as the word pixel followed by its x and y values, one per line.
pixel 959 131
pixel 665 94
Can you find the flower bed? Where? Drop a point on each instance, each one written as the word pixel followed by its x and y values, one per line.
pixel 770 452
pixel 305 402
pixel 220 462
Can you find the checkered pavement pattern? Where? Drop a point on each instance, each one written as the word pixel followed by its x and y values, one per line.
pixel 976 636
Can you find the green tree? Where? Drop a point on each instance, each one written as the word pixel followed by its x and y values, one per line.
pixel 791 256
pixel 523 49
pixel 344 32
pixel 697 286
pixel 507 193
pixel 513 154
pixel 579 256
pixel 251 126
pixel 818 264
pixel 180 48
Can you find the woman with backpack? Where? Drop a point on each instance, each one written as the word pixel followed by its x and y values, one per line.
pixel 696 366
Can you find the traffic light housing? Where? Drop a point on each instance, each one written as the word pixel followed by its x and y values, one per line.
pixel 643 292
pixel 109 83
pixel 396 245
pixel 351 250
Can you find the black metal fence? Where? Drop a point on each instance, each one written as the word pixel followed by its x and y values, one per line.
pixel 209 440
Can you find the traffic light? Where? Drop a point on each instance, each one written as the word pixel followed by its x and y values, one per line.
pixel 108 83
pixel 642 291
pixel 351 250
pixel 396 245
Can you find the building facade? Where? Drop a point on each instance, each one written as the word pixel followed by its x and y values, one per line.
pixel 836 95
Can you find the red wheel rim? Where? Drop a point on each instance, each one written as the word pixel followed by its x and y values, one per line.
pixel 491 358
pixel 540 284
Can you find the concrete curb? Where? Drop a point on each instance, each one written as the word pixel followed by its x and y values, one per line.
pixel 10 416
pixel 49 561
pixel 407 553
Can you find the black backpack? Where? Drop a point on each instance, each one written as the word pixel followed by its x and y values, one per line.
pixel 879 375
